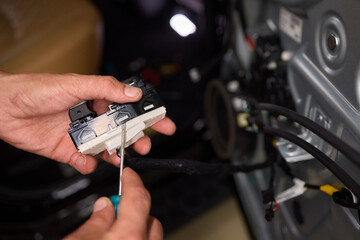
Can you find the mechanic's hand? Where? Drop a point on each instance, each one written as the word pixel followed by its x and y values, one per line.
pixel 34 113
pixel 133 220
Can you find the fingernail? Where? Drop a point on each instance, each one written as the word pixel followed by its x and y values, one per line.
pixel 100 204
pixel 132 91
pixel 81 161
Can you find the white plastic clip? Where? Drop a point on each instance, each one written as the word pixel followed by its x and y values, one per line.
pixel 296 190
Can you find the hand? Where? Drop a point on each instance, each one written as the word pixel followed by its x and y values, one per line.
pixel 34 113
pixel 133 220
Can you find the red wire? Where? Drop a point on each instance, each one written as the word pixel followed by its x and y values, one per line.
pixel 118 153
pixel 250 42
pixel 276 206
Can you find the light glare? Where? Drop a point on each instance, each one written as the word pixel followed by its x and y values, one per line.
pixel 182 25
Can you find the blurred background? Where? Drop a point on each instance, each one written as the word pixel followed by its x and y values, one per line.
pixel 176 46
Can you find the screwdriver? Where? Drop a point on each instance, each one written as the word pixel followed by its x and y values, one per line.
pixel 115 199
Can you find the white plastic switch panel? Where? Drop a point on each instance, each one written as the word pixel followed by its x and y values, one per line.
pixel 111 140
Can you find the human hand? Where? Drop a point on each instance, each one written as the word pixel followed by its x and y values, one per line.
pixel 34 109
pixel 133 220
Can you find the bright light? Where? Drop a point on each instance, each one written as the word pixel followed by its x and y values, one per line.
pixel 182 25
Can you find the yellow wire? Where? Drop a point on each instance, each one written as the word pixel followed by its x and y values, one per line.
pixel 274 143
pixel 328 189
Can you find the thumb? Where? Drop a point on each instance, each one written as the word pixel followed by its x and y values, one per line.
pixel 99 223
pixel 101 87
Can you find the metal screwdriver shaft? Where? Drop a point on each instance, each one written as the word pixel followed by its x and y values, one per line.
pixel 122 154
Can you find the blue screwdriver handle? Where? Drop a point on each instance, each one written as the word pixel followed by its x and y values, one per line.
pixel 115 199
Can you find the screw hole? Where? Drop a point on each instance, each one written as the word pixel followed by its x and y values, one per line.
pixel 333 42
pixel 290 147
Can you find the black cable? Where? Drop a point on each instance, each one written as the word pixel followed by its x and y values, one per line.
pixel 284 166
pixel 190 167
pixel 312 186
pixel 342 197
pixel 268 194
pixel 317 154
pixel 240 7
pixel 329 137
pixel 345 199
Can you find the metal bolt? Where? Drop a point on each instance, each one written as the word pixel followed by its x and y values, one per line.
pixel 290 147
pixel 333 42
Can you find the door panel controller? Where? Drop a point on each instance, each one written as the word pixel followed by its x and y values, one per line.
pixel 93 134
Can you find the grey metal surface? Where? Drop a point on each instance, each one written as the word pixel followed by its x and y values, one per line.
pixel 324 77
pixel 330 82
pixel 255 215
pixel 292 153
pixel 248 186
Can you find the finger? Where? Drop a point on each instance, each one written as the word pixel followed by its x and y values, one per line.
pixel 85 164
pixel 100 106
pixel 102 87
pixel 165 126
pixel 113 158
pixel 155 229
pixel 65 151
pixel 100 221
pixel 134 208
pixel 58 92
pixel 143 145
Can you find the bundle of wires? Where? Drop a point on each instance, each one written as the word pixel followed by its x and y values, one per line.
pixel 325 134
pixel 336 142
pixel 340 196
